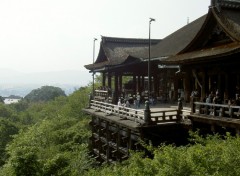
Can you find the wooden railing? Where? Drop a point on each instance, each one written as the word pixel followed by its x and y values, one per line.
pixel 217 110
pixel 120 111
pixel 145 116
pixel 163 116
pixel 100 95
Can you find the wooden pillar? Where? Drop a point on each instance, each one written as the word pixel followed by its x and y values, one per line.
pixel 213 128
pixel 226 91
pixel 134 83
pixel 207 91
pixel 237 131
pixel 150 82
pixel 219 83
pixel 120 83
pixel 143 83
pixel 203 91
pixel 99 136
pixel 176 87
pixel 209 83
pixel 238 79
pixel 109 81
pixel 139 84
pixel 129 144
pixel 147 114
pixel 155 83
pixel 108 140
pixel 103 79
pixel 116 92
pixel 187 87
pixel 118 143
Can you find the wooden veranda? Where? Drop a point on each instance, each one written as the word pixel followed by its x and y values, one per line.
pixel 117 129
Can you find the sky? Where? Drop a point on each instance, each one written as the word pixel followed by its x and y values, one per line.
pixel 55 35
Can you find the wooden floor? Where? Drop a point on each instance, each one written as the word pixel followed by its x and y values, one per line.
pixel 113 119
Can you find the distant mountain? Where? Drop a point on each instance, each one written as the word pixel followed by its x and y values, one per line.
pixel 81 78
pixel 20 84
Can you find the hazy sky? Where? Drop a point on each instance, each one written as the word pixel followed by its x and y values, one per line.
pixel 52 35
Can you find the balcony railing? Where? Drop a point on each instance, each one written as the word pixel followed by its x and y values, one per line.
pixel 216 110
pixel 143 117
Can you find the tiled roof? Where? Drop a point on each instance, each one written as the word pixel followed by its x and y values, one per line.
pixel 177 41
pixel 114 51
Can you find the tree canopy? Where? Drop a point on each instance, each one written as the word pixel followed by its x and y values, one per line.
pixel 51 138
pixel 45 93
pixel 1 99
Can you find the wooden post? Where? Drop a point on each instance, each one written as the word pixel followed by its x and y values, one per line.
pixel 203 90
pixel 139 84
pixel 109 81
pixel 108 140
pixel 147 114
pixel 134 83
pixel 187 86
pixel 90 99
pixel 116 93
pixel 99 140
pixel 206 109
pixel 129 144
pixel 180 107
pixel 103 79
pixel 193 106
pixel 214 111
pixel 237 131
pixel 222 112
pixel 213 129
pixel 120 83
pixel 231 112
pixel 143 83
pixel 118 143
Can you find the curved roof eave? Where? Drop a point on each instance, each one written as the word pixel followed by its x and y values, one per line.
pixel 203 55
pixel 102 54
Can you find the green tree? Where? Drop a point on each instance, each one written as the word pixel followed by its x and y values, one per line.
pixel 1 99
pixel 7 129
pixel 55 140
pixel 5 111
pixel 45 93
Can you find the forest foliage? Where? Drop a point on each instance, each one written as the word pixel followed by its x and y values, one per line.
pixel 50 137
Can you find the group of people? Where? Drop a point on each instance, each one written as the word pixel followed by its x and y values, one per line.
pixel 217 99
pixel 214 98
pixel 136 101
pixel 126 103
pixel 210 98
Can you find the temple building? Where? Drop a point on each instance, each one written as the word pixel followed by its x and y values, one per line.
pixel 119 57
pixel 202 56
pixel 207 51
pixel 198 63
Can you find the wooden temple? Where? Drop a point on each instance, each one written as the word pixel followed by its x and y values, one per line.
pixel 198 64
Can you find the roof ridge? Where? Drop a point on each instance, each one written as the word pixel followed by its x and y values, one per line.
pixel 230 4
pixel 128 40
